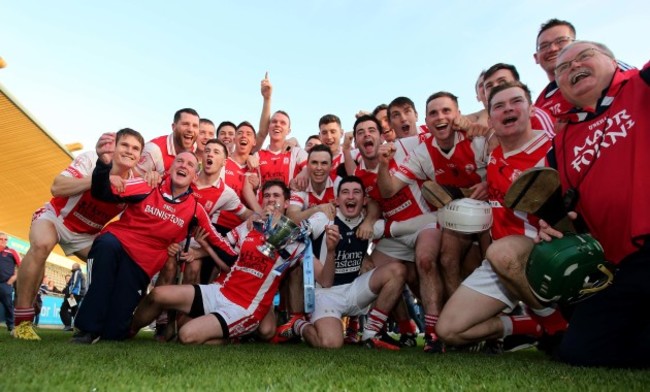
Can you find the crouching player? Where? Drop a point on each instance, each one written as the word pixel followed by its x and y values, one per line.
pixel 242 302
pixel 342 291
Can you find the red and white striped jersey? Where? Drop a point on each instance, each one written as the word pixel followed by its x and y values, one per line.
pixel 463 166
pixel 234 175
pixel 81 213
pixel 253 280
pixel 542 120
pixel 309 198
pixel 502 170
pixel 157 155
pixel 407 203
pixel 282 166
pixel 217 198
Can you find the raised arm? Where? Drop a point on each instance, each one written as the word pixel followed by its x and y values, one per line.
pixel 388 185
pixel 324 274
pixel 265 117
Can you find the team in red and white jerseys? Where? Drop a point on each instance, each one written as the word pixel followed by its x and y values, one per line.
pixel 131 207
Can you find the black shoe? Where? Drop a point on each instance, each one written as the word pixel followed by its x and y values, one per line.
pixel 548 344
pixel 386 338
pixel 408 340
pixel 518 342
pixel 493 347
pixel 433 345
pixel 85 338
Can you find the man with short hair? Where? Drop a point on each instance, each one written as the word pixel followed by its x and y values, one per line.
pixel 278 160
pixel 159 153
pixel 72 218
pixel 226 133
pixel 242 303
pixel 342 291
pixel 381 114
pixel 237 170
pixel 312 141
pixel 320 192
pixel 330 133
pixel 449 158
pixel 9 261
pixel 602 156
pixel 403 117
pixel 206 132
pixel 501 73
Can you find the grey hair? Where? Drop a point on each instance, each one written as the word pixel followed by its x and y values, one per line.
pixel 602 47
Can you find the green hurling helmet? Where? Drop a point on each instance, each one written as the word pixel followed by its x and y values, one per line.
pixel 567 269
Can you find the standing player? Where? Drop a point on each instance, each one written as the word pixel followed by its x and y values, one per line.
pixel 473 313
pixel 342 291
pixel 278 161
pixel 128 253
pixel 330 135
pixel 320 192
pixel 159 153
pixel 73 218
pixel 226 133
pixel 242 303
pixel 237 170
pixel 403 206
pixel 312 141
pixel 206 132
pixel 9 261
pixel 451 159
pixel 505 73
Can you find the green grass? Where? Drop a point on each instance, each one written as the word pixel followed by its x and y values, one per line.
pixel 144 365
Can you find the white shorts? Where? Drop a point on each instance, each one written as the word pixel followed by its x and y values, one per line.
pixel 352 299
pixel 239 320
pixel 401 248
pixel 70 241
pixel 485 281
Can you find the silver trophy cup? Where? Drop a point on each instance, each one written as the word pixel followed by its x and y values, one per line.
pixel 278 232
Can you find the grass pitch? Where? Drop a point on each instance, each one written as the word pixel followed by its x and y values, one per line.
pixel 145 365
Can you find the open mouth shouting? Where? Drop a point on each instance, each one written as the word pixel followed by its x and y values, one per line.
pixel 579 75
pixel 509 120
pixel 350 208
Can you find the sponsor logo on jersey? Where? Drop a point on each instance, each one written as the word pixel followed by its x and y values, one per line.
pixel 606 134
pixel 166 216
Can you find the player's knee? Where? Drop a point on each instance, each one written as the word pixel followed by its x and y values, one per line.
pixel 41 246
pixel 505 259
pixel 425 262
pixel 188 336
pixel 397 271
pixel 447 332
pixel 330 342
pixel 449 261
pixel 266 331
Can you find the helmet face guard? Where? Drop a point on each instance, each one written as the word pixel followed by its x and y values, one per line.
pixel 466 216
pixel 567 269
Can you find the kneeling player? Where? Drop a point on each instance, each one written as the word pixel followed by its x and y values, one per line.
pixel 242 303
pixel 343 292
